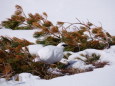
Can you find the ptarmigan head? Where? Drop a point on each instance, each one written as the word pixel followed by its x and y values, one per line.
pixel 62 45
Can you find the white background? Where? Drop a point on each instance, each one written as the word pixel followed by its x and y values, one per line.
pixel 95 11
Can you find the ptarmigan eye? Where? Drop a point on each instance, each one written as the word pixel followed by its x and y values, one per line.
pixel 64 45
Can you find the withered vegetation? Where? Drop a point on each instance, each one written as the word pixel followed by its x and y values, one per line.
pixel 84 35
pixel 15 58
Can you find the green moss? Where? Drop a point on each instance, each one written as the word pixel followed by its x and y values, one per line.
pixel 91 59
pixel 49 41
pixel 10 24
pixel 38 34
pixel 23 28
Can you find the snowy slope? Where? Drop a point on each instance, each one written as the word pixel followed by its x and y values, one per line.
pixel 66 10
pixel 99 77
pixel 23 34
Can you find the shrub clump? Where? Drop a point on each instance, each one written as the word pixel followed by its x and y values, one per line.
pixel 82 35
pixel 7 42
pixel 81 38
pixel 19 21
pixel 94 60
pixel 15 58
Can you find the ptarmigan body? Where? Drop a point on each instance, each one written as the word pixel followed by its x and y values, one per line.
pixel 51 54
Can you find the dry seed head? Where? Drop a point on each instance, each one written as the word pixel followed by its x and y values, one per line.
pixel 30 15
pixel 54 29
pixel 18 12
pixel 89 24
pixel 45 14
pixel 18 7
pixel 47 23
pixel 45 29
pixel 60 23
pixel 35 24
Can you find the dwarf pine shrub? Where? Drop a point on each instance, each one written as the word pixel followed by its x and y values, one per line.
pixel 83 35
pixel 15 58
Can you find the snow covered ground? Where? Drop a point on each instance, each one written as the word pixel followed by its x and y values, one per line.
pixel 65 10
pixel 99 77
pixel 24 34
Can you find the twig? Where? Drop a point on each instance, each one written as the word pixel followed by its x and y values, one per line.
pixel 6 75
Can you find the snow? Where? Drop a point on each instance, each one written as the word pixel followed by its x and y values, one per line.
pixel 23 77
pixel 99 77
pixel 23 34
pixel 66 10
pixel 77 60
pixel 54 70
pixel 79 64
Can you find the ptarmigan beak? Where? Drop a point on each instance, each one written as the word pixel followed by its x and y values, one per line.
pixel 65 45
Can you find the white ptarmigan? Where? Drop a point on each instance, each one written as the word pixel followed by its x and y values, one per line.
pixel 51 54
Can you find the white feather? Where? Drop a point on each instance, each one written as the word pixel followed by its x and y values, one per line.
pixel 51 54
